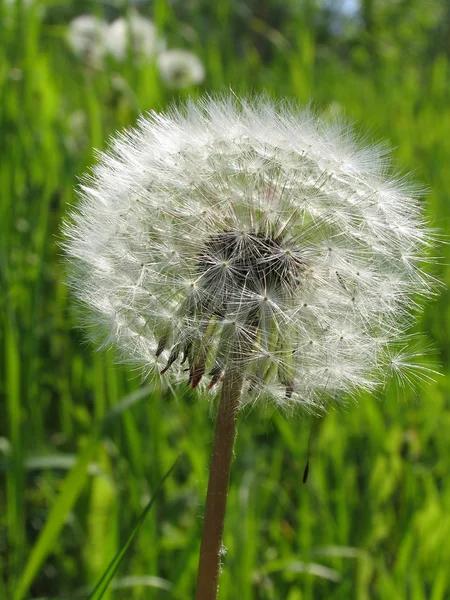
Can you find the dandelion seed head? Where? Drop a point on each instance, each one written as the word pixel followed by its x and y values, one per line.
pixel 180 68
pixel 87 38
pixel 136 32
pixel 245 233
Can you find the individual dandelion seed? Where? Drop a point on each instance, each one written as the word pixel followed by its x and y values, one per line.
pixel 255 246
pixel 180 68
pixel 86 36
pixel 136 32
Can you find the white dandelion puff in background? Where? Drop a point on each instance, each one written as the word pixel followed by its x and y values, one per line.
pixel 135 32
pixel 91 39
pixel 246 233
pixel 180 68
pixel 87 38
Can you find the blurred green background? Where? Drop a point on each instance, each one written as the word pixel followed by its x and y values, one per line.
pixel 373 520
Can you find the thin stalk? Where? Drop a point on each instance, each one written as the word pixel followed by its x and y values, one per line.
pixel 219 477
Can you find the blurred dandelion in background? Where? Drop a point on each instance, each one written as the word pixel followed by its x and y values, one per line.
pixel 180 68
pixel 136 32
pixel 86 36
pixel 91 39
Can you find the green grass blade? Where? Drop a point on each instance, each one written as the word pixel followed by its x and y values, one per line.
pixel 107 576
pixel 70 491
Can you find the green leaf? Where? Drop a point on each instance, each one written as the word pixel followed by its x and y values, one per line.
pixel 107 576
pixel 71 489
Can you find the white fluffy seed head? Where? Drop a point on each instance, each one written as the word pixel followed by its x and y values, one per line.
pixel 232 232
pixel 135 32
pixel 180 68
pixel 87 38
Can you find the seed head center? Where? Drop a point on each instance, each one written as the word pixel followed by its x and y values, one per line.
pixel 259 263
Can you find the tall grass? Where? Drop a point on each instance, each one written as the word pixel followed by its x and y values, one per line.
pixel 373 520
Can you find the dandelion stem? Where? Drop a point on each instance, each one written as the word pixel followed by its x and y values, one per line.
pixel 219 477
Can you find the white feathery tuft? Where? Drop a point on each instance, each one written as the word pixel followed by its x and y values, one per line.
pixel 243 231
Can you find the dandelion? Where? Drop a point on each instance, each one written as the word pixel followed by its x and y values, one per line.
pixel 87 38
pixel 25 4
pixel 253 246
pixel 180 68
pixel 220 223
pixel 136 32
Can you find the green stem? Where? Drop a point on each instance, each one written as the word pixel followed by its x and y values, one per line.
pixel 219 477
